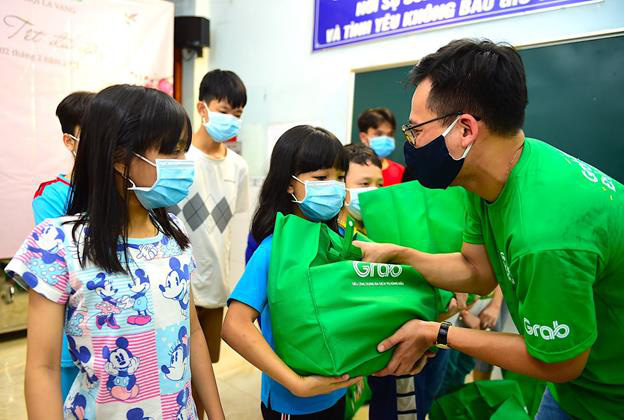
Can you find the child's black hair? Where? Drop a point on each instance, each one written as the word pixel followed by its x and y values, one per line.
pixel 301 149
pixel 362 155
pixel 223 85
pixel 71 110
pixel 122 120
pixel 374 117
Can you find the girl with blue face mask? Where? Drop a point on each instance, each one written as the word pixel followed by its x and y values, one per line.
pixel 306 178
pixel 115 273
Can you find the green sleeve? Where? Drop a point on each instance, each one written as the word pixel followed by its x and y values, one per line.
pixel 473 233
pixel 556 302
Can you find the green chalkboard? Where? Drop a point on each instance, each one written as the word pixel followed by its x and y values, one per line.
pixel 576 99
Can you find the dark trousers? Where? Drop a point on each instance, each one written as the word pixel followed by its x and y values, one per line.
pixel 336 412
pixel 404 395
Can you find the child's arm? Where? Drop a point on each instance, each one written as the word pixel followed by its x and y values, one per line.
pixel 43 358
pixel 242 335
pixel 202 375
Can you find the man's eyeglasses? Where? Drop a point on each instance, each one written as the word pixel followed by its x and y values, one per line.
pixel 409 129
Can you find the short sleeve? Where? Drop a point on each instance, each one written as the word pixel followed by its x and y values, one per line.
pixel 473 232
pixel 40 263
pixel 178 222
pixel 242 197
pixel 46 207
pixel 556 302
pixel 252 286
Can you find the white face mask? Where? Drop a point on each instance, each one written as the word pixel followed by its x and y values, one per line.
pixel 354 202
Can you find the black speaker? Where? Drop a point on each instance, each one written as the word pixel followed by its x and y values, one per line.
pixel 191 32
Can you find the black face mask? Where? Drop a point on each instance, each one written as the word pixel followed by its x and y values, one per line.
pixel 432 165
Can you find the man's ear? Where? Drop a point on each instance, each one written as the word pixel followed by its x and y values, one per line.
pixel 364 139
pixel 469 129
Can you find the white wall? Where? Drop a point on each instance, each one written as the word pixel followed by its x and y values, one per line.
pixel 269 44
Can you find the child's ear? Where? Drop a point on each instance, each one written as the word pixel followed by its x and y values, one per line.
pixel 202 111
pixel 120 167
pixel 68 142
pixel 364 139
pixel 291 189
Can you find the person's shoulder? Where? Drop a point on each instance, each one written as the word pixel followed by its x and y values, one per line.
pixel 394 169
pixel 235 159
pixel 396 165
pixel 53 188
pixel 266 245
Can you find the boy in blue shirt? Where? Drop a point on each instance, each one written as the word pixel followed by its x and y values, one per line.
pixel 52 197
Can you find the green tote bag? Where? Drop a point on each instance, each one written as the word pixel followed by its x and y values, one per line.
pixel 329 310
pixel 498 399
pixel 411 215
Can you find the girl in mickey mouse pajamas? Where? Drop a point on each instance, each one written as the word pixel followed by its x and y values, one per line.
pixel 114 274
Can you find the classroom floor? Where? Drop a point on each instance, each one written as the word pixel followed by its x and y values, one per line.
pixel 238 382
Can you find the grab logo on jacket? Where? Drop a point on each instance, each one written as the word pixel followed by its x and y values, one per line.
pixel 546 332
pixel 364 270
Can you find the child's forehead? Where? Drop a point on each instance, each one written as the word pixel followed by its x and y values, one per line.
pixel 360 167
pixel 368 170
pixel 224 103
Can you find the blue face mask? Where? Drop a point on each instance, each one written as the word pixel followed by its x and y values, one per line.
pixel 174 178
pixel 383 146
pixel 354 201
pixel 222 127
pixel 323 199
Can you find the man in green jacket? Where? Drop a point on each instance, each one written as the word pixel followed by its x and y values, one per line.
pixel 545 226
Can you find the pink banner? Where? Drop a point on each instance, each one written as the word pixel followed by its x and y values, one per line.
pixel 48 49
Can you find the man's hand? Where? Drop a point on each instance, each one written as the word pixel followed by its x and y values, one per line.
pixel 377 253
pixel 460 299
pixel 489 316
pixel 471 321
pixel 412 341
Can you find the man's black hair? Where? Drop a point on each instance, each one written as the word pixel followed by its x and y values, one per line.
pixel 476 77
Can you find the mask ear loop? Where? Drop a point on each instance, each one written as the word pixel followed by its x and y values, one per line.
pixel 134 187
pixel 205 120
pixel 293 195
pixel 448 130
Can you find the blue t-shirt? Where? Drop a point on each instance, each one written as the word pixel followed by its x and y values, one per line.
pixel 252 291
pixel 51 199
pixel 50 202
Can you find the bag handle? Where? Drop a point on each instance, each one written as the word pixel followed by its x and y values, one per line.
pixel 348 251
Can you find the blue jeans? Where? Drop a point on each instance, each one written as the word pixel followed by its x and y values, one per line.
pixel 387 400
pixel 549 409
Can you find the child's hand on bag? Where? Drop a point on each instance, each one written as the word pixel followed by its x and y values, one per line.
pixel 310 386
pixel 377 253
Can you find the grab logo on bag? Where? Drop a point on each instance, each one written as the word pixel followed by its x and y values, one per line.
pixel 364 270
pixel 546 332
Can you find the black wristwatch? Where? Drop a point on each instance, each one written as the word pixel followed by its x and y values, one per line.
pixel 442 340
